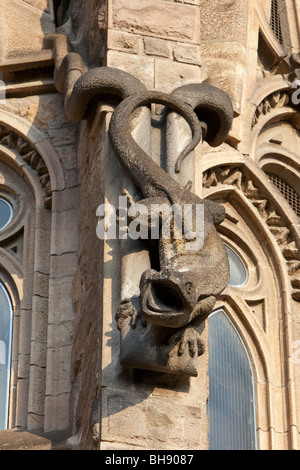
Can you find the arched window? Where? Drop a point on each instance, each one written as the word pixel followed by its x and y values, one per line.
pixel 231 388
pixel 6 213
pixel 5 353
pixel 238 271
pixel 231 391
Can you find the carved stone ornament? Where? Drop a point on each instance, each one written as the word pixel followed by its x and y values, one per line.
pixel 161 331
pixel 30 155
pixel 234 176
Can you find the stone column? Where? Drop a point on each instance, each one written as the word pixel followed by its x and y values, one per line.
pixel 159 43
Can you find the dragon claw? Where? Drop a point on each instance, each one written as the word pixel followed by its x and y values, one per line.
pixel 188 338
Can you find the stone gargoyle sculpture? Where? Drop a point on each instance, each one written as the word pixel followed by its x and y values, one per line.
pixel 162 331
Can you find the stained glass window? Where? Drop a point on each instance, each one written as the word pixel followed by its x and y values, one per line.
pixel 6 213
pixel 231 388
pixel 5 354
pixel 238 271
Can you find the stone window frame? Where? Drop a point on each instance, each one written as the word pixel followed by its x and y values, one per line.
pixel 31 178
pixel 274 158
pixel 276 50
pixel 255 309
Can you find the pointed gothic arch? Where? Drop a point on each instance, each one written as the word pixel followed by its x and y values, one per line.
pixel 256 222
pixel 30 175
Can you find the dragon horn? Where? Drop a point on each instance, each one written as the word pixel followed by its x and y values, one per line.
pixel 213 108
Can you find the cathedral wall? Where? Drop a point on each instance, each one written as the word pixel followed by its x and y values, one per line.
pixel 67 381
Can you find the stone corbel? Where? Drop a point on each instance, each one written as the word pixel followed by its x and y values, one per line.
pixel 161 329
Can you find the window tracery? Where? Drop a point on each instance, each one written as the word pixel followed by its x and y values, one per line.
pixel 25 184
pixel 283 235
pixel 260 231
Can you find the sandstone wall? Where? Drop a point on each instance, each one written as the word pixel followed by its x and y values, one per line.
pixel 67 284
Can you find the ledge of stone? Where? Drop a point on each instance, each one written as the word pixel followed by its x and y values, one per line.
pixel 15 439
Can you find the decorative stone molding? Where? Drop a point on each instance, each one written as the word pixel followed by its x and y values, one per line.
pixel 277 100
pixel 234 176
pixel 31 157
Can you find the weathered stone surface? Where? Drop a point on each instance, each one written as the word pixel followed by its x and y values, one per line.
pixel 23 28
pixel 23 440
pixel 123 41
pixel 158 42
pixel 224 20
pixel 157 47
pixel 141 67
pixel 158 413
pixel 41 4
pixel 90 16
pixel 57 410
pixel 187 53
pixel 170 75
pixel 226 63
pixel 148 17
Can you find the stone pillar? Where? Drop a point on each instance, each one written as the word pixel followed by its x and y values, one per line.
pixel 224 44
pixel 159 43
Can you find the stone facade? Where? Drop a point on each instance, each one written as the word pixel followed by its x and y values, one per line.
pixel 68 389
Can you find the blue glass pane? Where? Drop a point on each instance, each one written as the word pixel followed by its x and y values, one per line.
pixel 238 271
pixel 5 213
pixel 5 351
pixel 231 391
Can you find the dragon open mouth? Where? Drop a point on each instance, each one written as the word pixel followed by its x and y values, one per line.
pixel 163 299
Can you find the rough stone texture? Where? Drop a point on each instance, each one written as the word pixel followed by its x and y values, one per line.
pixel 224 36
pixel 141 67
pixel 59 353
pixel 157 47
pixel 154 65
pixel 170 75
pixel 188 54
pixel 90 16
pixel 15 440
pixel 87 296
pixel 226 63
pixel 125 42
pixel 20 440
pixel 23 28
pixel 45 150
pixel 158 413
pixel 43 5
pixel 225 20
pixel 148 17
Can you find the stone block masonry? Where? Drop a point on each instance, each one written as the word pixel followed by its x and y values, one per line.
pixel 151 39
pixel 148 17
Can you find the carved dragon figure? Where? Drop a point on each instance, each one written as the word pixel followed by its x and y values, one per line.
pixel 183 292
pixel 177 298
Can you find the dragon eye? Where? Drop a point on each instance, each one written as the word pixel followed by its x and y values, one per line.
pixel 189 287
